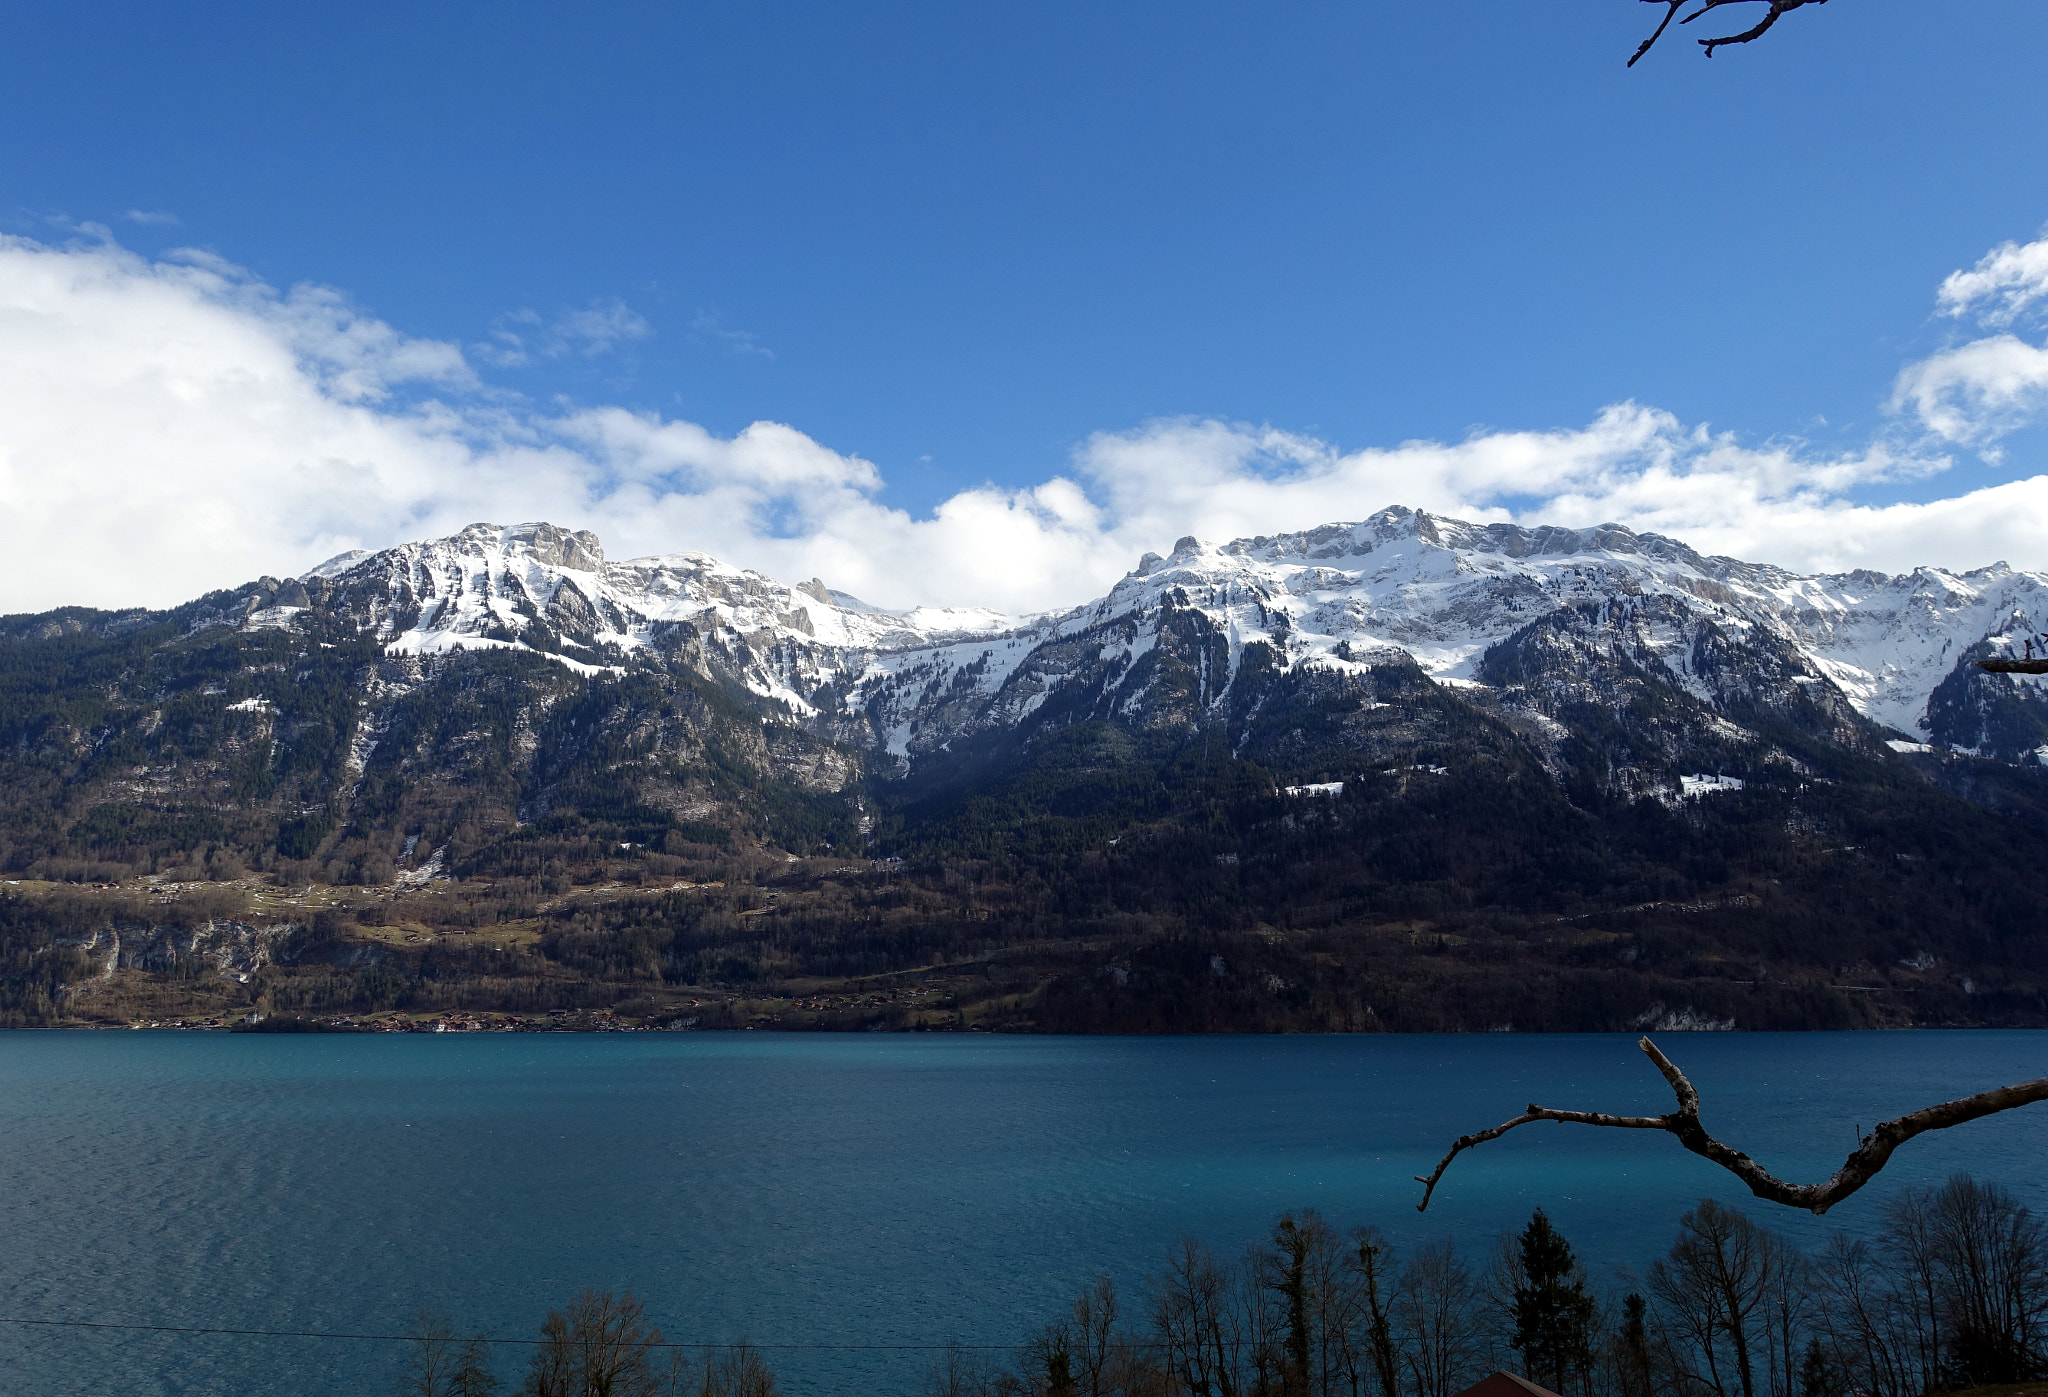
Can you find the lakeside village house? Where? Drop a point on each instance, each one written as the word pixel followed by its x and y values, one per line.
pixel 1505 1385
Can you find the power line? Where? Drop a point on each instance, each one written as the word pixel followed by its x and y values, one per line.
pixel 414 1338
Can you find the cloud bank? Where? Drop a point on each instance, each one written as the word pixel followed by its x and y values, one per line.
pixel 169 426
pixel 1977 392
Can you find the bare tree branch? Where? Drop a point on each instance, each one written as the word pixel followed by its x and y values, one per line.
pixel 1856 1171
pixel 2014 666
pixel 1669 15
pixel 1778 7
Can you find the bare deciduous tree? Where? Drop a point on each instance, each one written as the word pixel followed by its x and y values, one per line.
pixel 1756 31
pixel 961 1372
pixel 430 1357
pixel 1373 1258
pixel 1439 1321
pixel 1991 1259
pixel 1195 1310
pixel 602 1347
pixel 1871 1322
pixel 1953 1292
pixel 1094 1337
pixel 1336 1311
pixel 736 1370
pixel 1321 1307
pixel 473 1376
pixel 1107 1361
pixel 1859 1169
pixel 1727 1286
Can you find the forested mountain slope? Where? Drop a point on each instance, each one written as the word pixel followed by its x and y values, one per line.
pixel 1409 773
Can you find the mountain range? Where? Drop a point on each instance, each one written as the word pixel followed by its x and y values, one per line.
pixel 1410 772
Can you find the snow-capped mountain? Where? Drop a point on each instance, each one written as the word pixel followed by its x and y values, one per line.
pixel 543 588
pixel 1445 591
pixel 1347 736
pixel 410 679
pixel 1441 591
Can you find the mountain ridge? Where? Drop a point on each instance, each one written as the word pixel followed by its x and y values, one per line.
pixel 1429 773
pixel 1872 634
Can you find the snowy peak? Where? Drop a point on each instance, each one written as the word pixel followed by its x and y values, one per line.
pixel 538 586
pixel 1446 590
pixel 1440 590
pixel 1889 642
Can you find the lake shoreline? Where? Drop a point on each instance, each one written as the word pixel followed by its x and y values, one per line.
pixel 398 1024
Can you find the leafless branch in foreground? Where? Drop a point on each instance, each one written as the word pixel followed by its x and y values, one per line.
pixel 1756 31
pixel 1856 1171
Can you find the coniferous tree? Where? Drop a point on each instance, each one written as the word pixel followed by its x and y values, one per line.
pixel 1052 1355
pixel 1287 1277
pixel 1059 1374
pixel 1632 1376
pixel 1553 1312
pixel 1818 1377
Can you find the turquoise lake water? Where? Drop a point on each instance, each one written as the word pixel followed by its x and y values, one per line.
pixel 805 1189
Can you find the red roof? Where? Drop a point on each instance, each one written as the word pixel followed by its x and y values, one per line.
pixel 1505 1385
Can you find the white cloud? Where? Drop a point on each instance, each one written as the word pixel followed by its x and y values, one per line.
pixel 1636 465
pixel 598 328
pixel 153 217
pixel 171 426
pixel 2006 281
pixel 738 341
pixel 1980 391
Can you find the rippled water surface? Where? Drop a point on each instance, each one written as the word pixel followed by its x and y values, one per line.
pixel 834 1190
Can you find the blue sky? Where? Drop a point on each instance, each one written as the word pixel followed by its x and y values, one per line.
pixel 959 242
